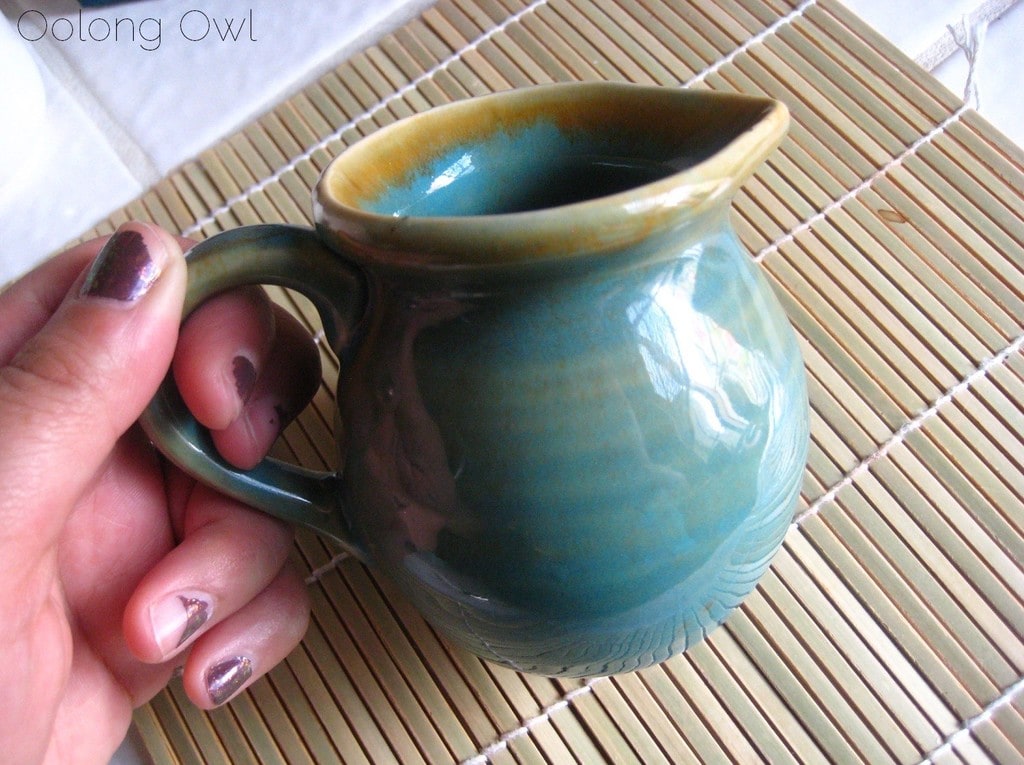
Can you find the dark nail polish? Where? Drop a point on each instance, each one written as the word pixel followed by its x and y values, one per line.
pixel 245 377
pixel 123 270
pixel 196 613
pixel 225 678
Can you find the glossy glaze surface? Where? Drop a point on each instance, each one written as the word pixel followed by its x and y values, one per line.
pixel 584 476
pixel 579 469
pixel 572 415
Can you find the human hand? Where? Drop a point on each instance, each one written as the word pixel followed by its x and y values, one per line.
pixel 115 568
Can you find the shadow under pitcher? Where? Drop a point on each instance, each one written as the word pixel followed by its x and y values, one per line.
pixel 573 413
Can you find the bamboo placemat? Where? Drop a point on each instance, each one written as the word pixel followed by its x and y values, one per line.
pixel 891 222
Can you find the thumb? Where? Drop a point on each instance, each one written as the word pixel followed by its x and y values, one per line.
pixel 80 382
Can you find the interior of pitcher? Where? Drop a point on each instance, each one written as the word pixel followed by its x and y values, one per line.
pixel 547 147
pixel 532 168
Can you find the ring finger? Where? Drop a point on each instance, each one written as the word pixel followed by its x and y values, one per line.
pixel 228 555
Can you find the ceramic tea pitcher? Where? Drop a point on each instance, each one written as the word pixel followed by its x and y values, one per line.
pixel 572 417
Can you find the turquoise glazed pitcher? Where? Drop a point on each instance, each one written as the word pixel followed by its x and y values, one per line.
pixel 572 416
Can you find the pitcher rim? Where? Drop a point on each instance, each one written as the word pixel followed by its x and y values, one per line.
pixel 596 224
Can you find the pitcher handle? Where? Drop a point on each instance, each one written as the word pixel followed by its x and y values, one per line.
pixel 288 256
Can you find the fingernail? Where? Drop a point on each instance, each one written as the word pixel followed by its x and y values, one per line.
pixel 177 618
pixel 245 377
pixel 225 678
pixel 124 269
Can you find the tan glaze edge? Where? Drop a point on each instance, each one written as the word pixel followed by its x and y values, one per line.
pixel 611 223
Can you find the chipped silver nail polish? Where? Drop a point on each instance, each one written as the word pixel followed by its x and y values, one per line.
pixel 225 678
pixel 197 611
